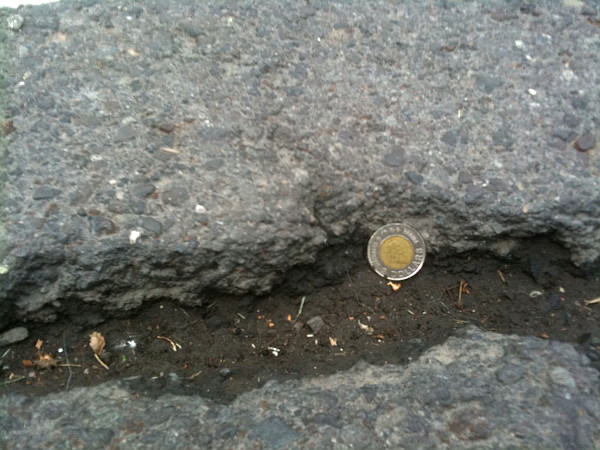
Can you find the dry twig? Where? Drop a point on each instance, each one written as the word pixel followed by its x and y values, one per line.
pixel 174 346
pixel 501 275
pixel 459 304
pixel 68 365
pixel 14 380
pixel 100 361
pixel 301 306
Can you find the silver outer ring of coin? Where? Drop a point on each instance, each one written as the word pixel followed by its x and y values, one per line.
pixel 412 236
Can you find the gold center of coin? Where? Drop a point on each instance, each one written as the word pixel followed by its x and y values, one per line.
pixel 396 252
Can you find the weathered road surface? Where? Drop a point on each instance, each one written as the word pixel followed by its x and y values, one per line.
pixel 161 150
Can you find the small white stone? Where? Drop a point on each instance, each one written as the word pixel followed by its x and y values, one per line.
pixel 3 270
pixel 200 209
pixel 133 236
pixel 15 22
pixel 96 158
pixel 113 181
pixel 532 91
pixel 519 44
pixel 132 344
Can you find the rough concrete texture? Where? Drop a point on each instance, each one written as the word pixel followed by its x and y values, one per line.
pixel 482 390
pixel 237 140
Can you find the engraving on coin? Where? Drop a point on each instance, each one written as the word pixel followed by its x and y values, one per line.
pixel 396 251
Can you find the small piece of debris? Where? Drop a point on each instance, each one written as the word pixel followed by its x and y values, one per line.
pixel 369 330
pixel 394 286
pixel 133 236
pixel 316 324
pixel 332 341
pixel 97 342
pixel 534 294
pixel 170 150
pixel 593 301
pixel 46 361
pixel 225 372
pixel 7 127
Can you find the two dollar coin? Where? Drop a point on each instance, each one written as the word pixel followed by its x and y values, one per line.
pixel 396 251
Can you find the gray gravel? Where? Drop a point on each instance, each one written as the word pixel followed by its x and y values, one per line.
pixel 480 390
pixel 239 140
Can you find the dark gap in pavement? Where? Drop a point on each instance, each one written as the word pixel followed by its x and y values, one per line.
pixel 232 344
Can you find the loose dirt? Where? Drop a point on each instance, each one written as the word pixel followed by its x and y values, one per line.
pixel 232 345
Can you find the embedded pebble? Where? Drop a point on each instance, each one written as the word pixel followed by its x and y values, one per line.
pixel 510 373
pixel 414 177
pixel 143 190
pixel 125 133
pixel 586 142
pixel 101 225
pixel 562 377
pixel 395 158
pixel 152 225
pixel 45 193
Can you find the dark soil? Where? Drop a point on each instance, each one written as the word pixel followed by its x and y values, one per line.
pixel 232 345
